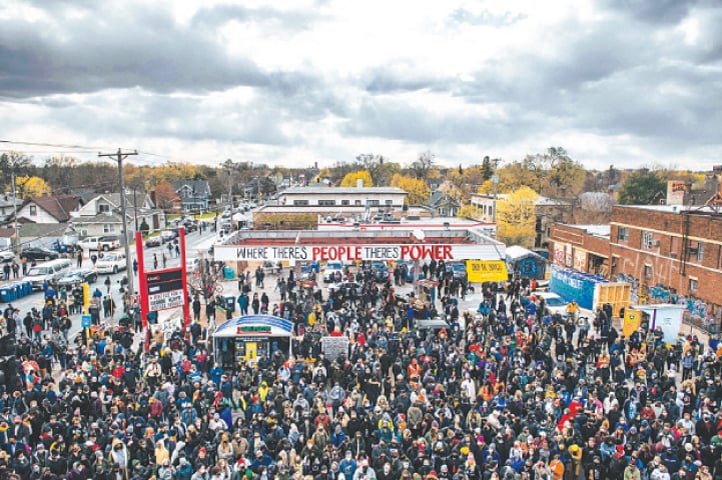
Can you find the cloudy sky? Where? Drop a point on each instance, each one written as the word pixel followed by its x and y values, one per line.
pixel 624 82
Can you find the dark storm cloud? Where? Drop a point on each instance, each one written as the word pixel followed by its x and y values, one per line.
pixel 656 11
pixel 135 115
pixel 150 51
pixel 400 76
pixel 396 120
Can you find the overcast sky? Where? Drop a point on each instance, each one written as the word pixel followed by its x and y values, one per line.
pixel 626 82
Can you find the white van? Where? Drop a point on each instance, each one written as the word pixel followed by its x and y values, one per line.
pixel 47 272
pixel 111 262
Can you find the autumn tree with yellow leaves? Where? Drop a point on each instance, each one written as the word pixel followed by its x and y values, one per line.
pixel 31 186
pixel 351 178
pixel 418 191
pixel 516 218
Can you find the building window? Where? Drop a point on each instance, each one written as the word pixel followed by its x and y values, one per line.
pixel 693 284
pixel 622 234
pixel 389 202
pixel 647 240
pixel 103 208
pixel 33 211
pixel 700 252
pixel 373 203
pixel 300 203
pixel 327 203
pixel 108 228
pixel 358 203
pixel 647 271
pixel 345 203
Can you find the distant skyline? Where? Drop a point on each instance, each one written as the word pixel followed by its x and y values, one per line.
pixel 630 84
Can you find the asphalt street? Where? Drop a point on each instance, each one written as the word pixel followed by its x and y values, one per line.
pixel 196 243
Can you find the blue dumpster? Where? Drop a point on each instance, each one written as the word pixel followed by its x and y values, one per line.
pixel 229 273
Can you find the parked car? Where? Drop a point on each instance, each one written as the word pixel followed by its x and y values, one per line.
pixel 45 272
pixel 109 243
pixel 111 263
pixel 553 302
pixel 153 242
pixel 75 277
pixel 39 253
pixel 190 225
pixel 330 271
pixel 168 235
pixel 458 270
pixel 102 243
pixel 192 264
pixel 6 256
pixel 379 271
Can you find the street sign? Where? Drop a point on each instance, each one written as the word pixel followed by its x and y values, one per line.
pixel 86 321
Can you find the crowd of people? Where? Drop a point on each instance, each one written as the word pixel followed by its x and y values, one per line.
pixel 504 391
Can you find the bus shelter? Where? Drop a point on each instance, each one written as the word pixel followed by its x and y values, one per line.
pixel 251 337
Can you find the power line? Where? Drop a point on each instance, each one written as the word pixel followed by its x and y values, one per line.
pixel 51 145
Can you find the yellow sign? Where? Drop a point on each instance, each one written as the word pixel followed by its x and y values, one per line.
pixel 632 319
pixel 251 350
pixel 486 271
pixel 86 296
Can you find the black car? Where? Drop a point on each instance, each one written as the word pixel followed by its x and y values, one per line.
pixel 190 226
pixel 378 271
pixel 39 253
pixel 153 242
pixel 458 270
pixel 78 276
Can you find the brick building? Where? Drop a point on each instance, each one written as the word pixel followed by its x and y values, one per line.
pixel 670 248
pixel 669 253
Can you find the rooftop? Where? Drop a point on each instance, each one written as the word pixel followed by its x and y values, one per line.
pixel 343 190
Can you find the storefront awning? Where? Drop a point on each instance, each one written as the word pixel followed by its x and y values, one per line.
pixel 255 326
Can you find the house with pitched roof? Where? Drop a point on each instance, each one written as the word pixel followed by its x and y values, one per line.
pixel 48 209
pixel 194 194
pixel 102 214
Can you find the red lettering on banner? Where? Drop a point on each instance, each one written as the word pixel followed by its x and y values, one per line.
pixel 351 253
pixel 426 252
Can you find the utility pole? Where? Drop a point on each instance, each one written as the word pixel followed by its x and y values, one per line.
pixel 16 246
pixel 120 156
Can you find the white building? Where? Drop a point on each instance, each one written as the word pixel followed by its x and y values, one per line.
pixel 101 215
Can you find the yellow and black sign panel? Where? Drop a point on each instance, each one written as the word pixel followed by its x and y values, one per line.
pixel 486 271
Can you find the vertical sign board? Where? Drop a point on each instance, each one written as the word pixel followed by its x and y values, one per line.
pixel 165 289
pixel 162 289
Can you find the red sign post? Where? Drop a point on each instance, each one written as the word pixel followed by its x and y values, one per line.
pixel 186 303
pixel 143 283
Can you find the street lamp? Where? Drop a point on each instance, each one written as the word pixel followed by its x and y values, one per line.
pixel 494 181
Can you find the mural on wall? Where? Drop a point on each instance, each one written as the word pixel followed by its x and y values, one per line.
pixel 580 260
pixel 661 294
pixel 559 253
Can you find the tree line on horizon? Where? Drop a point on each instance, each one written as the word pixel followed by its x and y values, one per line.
pixel 553 174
